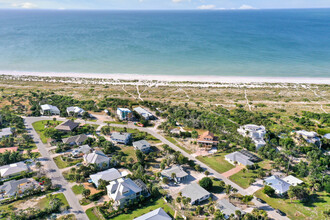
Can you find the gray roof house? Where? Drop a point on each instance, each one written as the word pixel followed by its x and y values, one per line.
pixel 226 207
pixel 5 132
pixel 122 191
pixel 107 175
pixel 121 138
pixel 98 158
pixel 239 158
pixel 196 193
pixel 74 110
pixel 13 169
pixel 49 110
pixel 81 150
pixel 157 214
pixel 75 140
pixel 180 174
pixel 11 188
pixel 67 126
pixel 142 145
pixel 144 113
pixel 279 185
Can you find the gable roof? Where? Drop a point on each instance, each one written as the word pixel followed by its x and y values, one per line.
pixel 143 112
pixel 240 158
pixel 67 125
pixel 120 136
pixel 12 169
pixel 157 214
pixel 278 184
pixel 75 109
pixel 96 157
pixel 122 188
pixel 77 139
pixel 177 169
pixel 107 175
pixel 11 187
pixel 48 107
pixel 142 144
pixel 194 192
pixel 226 207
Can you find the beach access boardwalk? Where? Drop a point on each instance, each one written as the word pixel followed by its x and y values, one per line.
pixel 271 212
pixel 53 171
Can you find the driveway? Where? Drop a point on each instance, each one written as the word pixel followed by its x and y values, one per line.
pixel 52 170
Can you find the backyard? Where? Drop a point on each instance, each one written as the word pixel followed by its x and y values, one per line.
pixel 312 209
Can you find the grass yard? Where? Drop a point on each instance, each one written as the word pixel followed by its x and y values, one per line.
pixel 94 214
pixel 313 209
pixel 43 203
pixel 242 179
pixel 130 152
pixel 160 203
pixel 78 189
pixel 39 126
pixel 217 162
pixel 63 164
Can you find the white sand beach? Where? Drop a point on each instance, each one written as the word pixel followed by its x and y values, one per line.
pixel 175 78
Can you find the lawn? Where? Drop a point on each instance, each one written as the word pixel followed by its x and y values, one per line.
pixel 130 152
pixel 173 141
pixel 39 126
pixel 160 203
pixel 43 203
pixel 78 189
pixel 217 162
pixel 94 214
pixel 313 209
pixel 242 179
pixel 63 164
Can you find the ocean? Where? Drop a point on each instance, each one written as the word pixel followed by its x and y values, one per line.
pixel 262 43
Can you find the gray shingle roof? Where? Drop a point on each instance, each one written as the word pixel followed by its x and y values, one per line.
pixel 97 157
pixel 179 172
pixel 141 145
pixel 120 136
pixel 11 187
pixel 226 207
pixel 67 125
pixel 77 139
pixel 107 175
pixel 157 214
pixel 194 192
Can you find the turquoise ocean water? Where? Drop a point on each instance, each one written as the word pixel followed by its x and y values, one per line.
pixel 272 43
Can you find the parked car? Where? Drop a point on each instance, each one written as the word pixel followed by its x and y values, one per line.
pixel 280 212
pixel 260 200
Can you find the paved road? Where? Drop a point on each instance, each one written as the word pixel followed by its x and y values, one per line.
pixel 53 172
pixel 266 207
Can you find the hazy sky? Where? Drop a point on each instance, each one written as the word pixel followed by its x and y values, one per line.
pixel 163 4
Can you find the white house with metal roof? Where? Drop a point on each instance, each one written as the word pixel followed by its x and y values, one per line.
pixel 180 174
pixel 144 113
pixel 279 185
pixel 98 158
pixel 49 110
pixel 75 110
pixel 239 158
pixel 107 175
pixel 255 132
pixel 293 181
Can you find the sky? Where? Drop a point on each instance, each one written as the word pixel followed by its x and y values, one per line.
pixel 163 4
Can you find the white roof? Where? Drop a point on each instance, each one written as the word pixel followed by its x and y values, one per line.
pixel 5 132
pixel 48 107
pixel 107 175
pixel 309 134
pixel 292 180
pixel 157 214
pixel 124 109
pixel 327 136
pixel 12 169
pixel 75 109
pixel 251 127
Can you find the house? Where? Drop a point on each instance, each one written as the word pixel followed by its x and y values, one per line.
pixel 279 185
pixel 238 158
pixel 107 175
pixel 310 136
pixel 10 149
pixel 14 187
pixel 226 208
pixel 180 174
pixel 75 110
pixel 5 132
pixel 13 169
pixel 255 132
pixel 81 150
pixel 144 113
pixel 327 136
pixel 121 191
pixel 49 110
pixel 196 193
pixel 207 139
pixel 157 214
pixel 293 181
pixel 175 131
pixel 142 145
pixel 124 114
pixel 67 126
pixel 75 140
pixel 121 138
pixel 98 158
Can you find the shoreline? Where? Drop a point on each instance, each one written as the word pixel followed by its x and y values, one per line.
pixel 173 78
